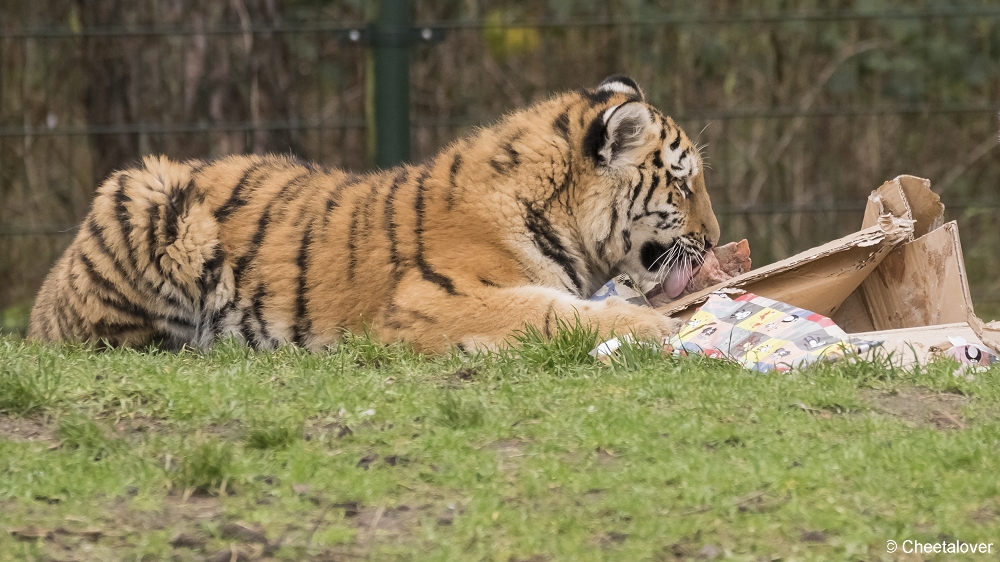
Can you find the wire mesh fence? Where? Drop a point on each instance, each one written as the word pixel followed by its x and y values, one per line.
pixel 801 111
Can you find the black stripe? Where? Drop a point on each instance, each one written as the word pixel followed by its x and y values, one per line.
pixel 614 217
pixel 649 194
pixel 58 310
pixel 72 317
pixel 353 231
pixel 257 306
pixel 123 219
pixel 420 316
pixel 244 261
pixel 488 283
pixel 333 198
pixel 677 141
pixel 173 212
pixel 112 297
pixel 567 180
pixel 262 225
pixel 418 231
pixel 627 240
pixel 121 303
pixel 512 159
pixel 561 124
pixel 211 272
pixel 390 317
pixel 151 239
pixel 247 331
pixel 657 159
pixel 352 249
pixel 547 241
pixel 602 244
pixel 113 331
pixel 287 197
pixel 303 324
pixel 307 206
pixel 594 140
pixel 196 166
pixel 456 163
pixel 369 211
pixel 596 97
pixel 103 328
pixel 258 238
pixel 97 234
pixel 236 199
pixel 637 189
pixel 668 220
pixel 124 222
pixel 389 216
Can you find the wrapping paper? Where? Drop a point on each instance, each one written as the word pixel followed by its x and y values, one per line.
pixel 970 357
pixel 762 334
pixel 758 333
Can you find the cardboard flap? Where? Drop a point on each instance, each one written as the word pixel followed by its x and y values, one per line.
pixel 921 283
pixel 818 279
pixel 906 197
pixel 988 332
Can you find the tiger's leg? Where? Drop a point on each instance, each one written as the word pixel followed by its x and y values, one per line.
pixel 436 321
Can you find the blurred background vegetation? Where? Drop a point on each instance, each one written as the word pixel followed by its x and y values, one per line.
pixel 805 107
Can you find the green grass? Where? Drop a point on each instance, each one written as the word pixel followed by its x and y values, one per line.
pixel 537 453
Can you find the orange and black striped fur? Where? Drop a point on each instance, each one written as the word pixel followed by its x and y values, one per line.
pixel 515 225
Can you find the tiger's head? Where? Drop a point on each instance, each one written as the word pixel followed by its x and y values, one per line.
pixel 644 196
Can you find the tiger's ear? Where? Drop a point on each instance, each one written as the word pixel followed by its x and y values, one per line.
pixel 618 136
pixel 623 85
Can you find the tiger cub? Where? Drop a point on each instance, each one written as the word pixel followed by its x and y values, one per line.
pixel 513 226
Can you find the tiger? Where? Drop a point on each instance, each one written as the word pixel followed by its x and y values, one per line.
pixel 508 229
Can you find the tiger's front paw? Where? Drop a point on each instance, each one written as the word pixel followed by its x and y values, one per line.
pixel 644 323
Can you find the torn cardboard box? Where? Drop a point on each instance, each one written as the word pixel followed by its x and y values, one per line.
pixel 900 280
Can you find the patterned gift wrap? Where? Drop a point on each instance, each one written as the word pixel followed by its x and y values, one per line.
pixel 762 334
pixel 757 332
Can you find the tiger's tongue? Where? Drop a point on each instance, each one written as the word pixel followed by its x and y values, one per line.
pixel 677 279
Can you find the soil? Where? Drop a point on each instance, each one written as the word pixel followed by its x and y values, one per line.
pixel 21 429
pixel 921 406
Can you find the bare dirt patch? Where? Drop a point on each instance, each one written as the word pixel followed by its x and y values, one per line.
pixel 20 429
pixel 386 522
pixel 922 407
pixel 508 448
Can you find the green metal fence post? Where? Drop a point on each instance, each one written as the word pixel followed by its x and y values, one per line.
pixel 391 41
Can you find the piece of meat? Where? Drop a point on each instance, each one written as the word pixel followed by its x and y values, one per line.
pixel 721 264
pixel 734 257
